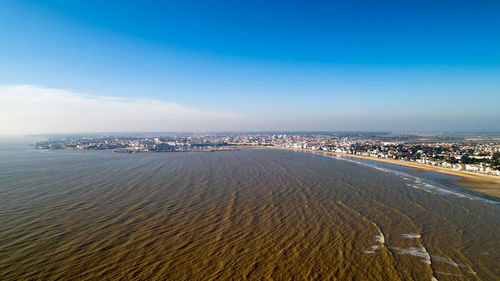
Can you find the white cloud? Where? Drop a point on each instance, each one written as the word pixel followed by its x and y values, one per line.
pixel 26 109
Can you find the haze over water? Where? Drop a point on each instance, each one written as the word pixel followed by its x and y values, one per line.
pixel 250 214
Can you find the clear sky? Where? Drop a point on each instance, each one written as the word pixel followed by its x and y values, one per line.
pixel 91 66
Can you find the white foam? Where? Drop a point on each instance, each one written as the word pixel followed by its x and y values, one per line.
pixel 380 238
pixel 411 235
pixel 416 252
pixel 426 257
pixel 413 251
pixel 446 260
pixel 447 273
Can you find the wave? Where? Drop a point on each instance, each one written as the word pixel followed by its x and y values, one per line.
pixel 418 182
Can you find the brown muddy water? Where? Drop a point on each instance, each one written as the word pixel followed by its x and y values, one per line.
pixel 242 215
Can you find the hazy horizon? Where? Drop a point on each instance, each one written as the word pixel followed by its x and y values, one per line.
pixel 200 132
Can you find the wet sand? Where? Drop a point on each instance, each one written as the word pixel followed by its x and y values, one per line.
pixel 484 184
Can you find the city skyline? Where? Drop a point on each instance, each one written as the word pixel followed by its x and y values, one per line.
pixel 364 66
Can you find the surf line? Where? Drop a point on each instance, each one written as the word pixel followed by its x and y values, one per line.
pixel 380 238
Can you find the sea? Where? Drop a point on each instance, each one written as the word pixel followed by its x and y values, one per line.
pixel 236 215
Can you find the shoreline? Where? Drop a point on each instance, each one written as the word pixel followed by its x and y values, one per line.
pixel 483 184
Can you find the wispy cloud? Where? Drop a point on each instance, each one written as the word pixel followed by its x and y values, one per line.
pixel 27 109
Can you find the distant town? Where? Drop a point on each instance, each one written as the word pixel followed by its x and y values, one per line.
pixel 475 153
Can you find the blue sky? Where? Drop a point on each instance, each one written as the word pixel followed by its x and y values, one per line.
pixel 272 65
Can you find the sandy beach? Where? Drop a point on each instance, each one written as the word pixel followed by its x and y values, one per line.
pixel 485 184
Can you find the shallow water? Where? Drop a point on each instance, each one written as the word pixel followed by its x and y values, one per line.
pixel 251 214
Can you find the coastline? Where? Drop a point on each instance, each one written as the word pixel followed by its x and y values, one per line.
pixel 484 184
